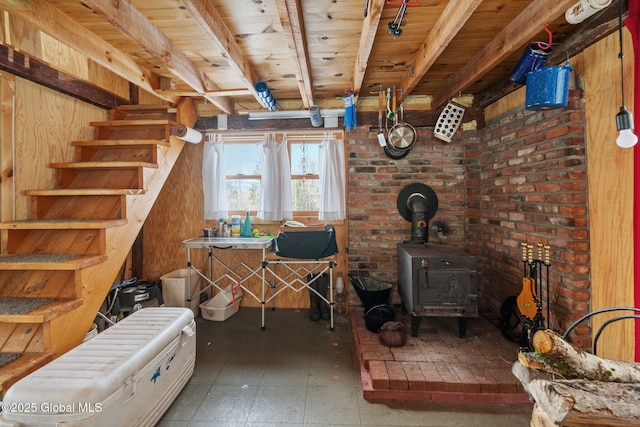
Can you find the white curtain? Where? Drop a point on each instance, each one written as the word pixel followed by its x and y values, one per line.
pixel 214 181
pixel 275 194
pixel 332 179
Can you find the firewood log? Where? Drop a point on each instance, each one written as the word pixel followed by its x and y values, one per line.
pixel 557 356
pixel 587 402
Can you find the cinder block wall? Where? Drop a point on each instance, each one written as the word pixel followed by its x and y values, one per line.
pixel 522 178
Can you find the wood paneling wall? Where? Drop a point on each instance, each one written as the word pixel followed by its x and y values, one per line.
pixel 610 176
pixel 178 214
pixel 46 123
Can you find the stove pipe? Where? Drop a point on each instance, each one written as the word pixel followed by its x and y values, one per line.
pixel 419 207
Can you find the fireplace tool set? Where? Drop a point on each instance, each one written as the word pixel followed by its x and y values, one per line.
pixel 535 284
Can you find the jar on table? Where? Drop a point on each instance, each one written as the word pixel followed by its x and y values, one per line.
pixel 235 225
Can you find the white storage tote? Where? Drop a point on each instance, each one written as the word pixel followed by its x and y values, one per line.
pixel 175 290
pixel 127 375
pixel 218 314
pixel 226 296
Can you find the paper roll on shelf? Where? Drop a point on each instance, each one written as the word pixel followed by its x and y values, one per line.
pixel 186 134
pixel 584 9
pixel 314 114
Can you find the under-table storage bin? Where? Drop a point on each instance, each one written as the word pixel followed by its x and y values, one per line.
pixel 176 292
pixel 218 314
pixel 229 295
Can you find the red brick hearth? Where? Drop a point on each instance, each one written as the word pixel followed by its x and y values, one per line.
pixel 438 365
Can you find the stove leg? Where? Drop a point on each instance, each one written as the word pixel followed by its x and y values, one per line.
pixel 415 325
pixel 462 327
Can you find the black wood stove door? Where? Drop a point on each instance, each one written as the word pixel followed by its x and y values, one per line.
pixel 444 292
pixel 437 280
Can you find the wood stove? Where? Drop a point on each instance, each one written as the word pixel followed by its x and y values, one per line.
pixel 437 280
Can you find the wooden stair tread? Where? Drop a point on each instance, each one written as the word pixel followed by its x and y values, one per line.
pixel 123 153
pixel 146 111
pixel 142 107
pixel 48 262
pixel 103 165
pixel 119 142
pixel 44 313
pixel 133 123
pixel 21 367
pixel 86 192
pixel 63 224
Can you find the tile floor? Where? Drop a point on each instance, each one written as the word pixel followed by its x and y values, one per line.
pixel 299 373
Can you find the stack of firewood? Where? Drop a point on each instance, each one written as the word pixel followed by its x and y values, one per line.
pixel 571 387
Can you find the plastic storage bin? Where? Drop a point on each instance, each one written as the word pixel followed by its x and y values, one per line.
pixel 219 314
pixel 225 297
pixel 175 292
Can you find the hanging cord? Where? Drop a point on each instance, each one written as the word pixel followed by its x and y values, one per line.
pixel 116 287
pixel 621 54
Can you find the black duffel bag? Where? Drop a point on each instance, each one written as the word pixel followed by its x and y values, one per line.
pixel 306 242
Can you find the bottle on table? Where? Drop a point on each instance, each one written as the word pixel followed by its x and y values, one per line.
pixel 246 229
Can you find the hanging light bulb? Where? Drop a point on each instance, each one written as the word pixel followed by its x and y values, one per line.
pixel 624 123
pixel 624 119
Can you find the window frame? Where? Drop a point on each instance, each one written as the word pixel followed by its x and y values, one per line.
pixel 312 138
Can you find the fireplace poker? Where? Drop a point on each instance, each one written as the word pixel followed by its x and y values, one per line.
pixel 539 274
pixel 547 262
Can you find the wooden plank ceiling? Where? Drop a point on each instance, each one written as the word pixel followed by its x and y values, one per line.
pixel 306 51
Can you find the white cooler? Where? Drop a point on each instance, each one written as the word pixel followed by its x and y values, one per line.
pixel 127 375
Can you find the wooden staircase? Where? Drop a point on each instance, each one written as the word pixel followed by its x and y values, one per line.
pixel 72 248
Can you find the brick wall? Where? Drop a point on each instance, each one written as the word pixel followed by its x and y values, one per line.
pixel 533 188
pixel 375 225
pixel 522 178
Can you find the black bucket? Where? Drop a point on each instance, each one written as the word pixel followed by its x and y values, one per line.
pixel 371 292
pixel 377 316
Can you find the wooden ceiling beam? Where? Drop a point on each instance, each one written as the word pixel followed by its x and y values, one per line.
pixel 224 93
pixel 519 32
pixel 50 20
pixel 453 18
pixel 367 37
pixel 211 22
pixel 35 70
pixel 293 25
pixel 124 16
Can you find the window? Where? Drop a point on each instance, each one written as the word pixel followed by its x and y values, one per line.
pixel 242 169
pixel 305 181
